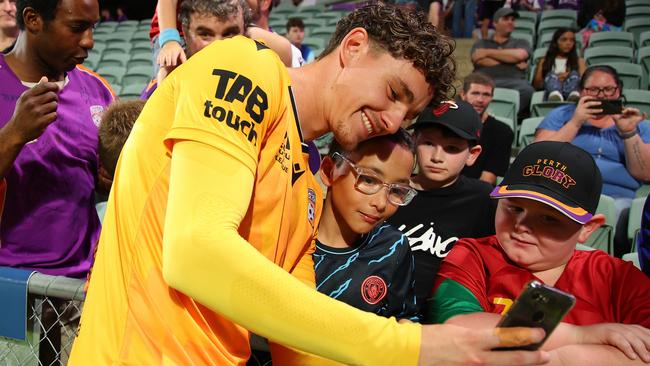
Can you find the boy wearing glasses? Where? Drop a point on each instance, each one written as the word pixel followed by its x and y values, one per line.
pixel 448 206
pixel 359 259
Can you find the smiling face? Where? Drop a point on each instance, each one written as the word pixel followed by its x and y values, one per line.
pixel 8 14
pixel 204 29
pixel 64 41
pixel 441 156
pixel 373 93
pixel 357 213
pixel 534 235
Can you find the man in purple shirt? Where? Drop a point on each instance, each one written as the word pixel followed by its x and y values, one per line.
pixel 50 108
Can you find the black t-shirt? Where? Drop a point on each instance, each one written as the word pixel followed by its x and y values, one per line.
pixel 436 219
pixel 496 143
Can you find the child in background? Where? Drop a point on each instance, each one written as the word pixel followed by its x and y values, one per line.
pixel 547 204
pixel 448 205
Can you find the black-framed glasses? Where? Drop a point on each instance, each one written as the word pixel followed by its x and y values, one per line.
pixel 367 182
pixel 608 91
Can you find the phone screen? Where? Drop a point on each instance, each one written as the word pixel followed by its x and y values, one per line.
pixel 538 306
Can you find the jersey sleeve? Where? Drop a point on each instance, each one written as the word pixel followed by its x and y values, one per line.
pixel 460 285
pixel 630 294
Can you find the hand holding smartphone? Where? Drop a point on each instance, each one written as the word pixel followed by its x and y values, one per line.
pixel 610 106
pixel 538 306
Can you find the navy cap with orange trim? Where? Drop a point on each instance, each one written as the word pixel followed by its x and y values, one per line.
pixel 558 174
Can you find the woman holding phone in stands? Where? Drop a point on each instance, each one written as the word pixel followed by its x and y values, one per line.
pixel 617 138
pixel 559 71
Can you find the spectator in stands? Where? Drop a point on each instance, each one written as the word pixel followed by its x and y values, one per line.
pixel 487 10
pixel 121 14
pixel 643 244
pixel 504 58
pixel 620 143
pixel 48 139
pixel 206 21
pixel 213 209
pixel 546 204
pixel 116 125
pixel 8 26
pixel 434 9
pixel 165 35
pixel 105 15
pixel 600 16
pixel 496 137
pixel 448 205
pixel 463 11
pixel 565 4
pixel 529 5
pixel 559 72
pixel 296 34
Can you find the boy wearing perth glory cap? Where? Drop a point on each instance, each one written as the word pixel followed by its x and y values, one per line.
pixel 546 204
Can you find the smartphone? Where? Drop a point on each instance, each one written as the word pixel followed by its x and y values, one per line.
pixel 538 306
pixel 610 106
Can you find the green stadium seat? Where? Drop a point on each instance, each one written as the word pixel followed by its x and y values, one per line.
pixel 603 237
pixel 137 75
pixel 279 25
pixel 634 221
pixel 285 8
pixel 525 36
pixel 608 54
pixel 631 74
pixel 527 16
pixel 644 39
pixel 114 59
pixel 107 25
pixel 636 27
pixel 139 36
pixel 141 47
pixel 132 91
pixel 538 54
pixel 141 59
pixel 638 12
pixel 624 39
pixel 146 21
pixel 98 47
pixel 638 99
pixel 634 3
pixel 116 88
pixel 112 74
pixel 324 32
pixel 505 104
pixel 567 14
pixel 314 42
pixel 118 37
pixel 314 23
pixel 121 47
pixel 525 26
pixel 527 130
pixel 643 59
pixel 92 60
pixel 311 9
pixel 549 26
pixel 539 107
pixel 544 40
pixel 643 191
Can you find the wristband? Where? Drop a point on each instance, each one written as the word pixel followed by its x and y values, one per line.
pixel 627 135
pixel 169 34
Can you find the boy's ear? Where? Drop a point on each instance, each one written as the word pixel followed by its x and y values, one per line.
pixel 474 152
pixel 590 226
pixel 327 167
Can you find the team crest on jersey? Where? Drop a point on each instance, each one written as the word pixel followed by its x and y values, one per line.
pixel 311 205
pixel 96 113
pixel 373 289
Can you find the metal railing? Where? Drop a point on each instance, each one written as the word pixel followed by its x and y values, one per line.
pixel 53 309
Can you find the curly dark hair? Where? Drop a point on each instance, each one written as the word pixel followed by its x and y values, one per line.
pixel 404 34
pixel 554 51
